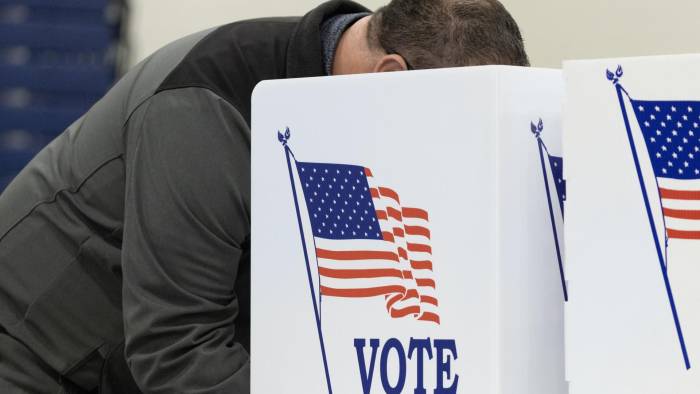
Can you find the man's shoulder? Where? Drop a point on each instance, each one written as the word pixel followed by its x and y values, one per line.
pixel 260 31
pixel 233 58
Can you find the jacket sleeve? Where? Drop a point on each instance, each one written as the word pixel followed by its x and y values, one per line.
pixel 187 218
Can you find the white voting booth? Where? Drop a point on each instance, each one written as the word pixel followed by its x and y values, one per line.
pixel 407 233
pixel 632 148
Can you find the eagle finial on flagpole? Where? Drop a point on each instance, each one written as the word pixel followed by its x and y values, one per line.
pixel 537 128
pixel 614 77
pixel 284 138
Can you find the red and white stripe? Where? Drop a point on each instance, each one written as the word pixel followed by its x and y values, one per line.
pixel 681 206
pixel 399 267
pixel 358 268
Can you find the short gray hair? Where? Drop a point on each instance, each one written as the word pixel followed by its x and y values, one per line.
pixel 448 33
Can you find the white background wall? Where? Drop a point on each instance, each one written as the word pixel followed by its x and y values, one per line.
pixel 554 30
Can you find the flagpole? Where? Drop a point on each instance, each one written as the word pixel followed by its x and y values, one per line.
pixel 540 145
pixel 289 154
pixel 615 78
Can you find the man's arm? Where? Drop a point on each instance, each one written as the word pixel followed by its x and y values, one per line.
pixel 187 216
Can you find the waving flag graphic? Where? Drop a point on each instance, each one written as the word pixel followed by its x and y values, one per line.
pixel 670 131
pixel 553 173
pixel 366 243
pixel 672 136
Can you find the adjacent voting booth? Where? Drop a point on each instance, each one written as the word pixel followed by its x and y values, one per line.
pixel 407 233
pixel 632 149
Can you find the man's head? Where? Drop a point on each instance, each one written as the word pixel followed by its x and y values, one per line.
pixel 420 34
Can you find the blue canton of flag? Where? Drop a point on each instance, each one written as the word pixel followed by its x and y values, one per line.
pixel 671 131
pixel 557 166
pixel 339 201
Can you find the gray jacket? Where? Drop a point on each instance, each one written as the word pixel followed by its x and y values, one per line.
pixel 133 226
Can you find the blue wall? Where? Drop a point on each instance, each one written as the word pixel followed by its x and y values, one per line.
pixel 57 57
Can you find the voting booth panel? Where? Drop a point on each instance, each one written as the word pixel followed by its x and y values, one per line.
pixel 407 233
pixel 632 148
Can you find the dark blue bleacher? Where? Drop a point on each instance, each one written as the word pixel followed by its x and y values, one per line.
pixel 57 57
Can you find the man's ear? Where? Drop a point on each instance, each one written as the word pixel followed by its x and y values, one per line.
pixel 390 63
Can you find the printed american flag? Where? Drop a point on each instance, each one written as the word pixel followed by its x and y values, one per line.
pixel 556 172
pixel 556 164
pixel 367 244
pixel 671 132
